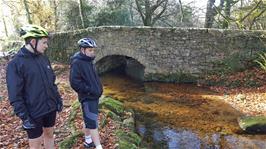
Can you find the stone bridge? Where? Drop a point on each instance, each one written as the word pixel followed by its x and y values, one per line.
pixel 153 53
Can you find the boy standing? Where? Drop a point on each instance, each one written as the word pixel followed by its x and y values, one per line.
pixel 85 81
pixel 32 90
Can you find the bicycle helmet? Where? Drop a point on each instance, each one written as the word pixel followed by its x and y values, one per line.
pixel 34 31
pixel 87 43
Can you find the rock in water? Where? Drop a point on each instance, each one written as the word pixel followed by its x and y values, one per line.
pixel 253 124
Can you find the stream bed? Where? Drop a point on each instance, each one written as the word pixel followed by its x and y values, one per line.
pixel 181 116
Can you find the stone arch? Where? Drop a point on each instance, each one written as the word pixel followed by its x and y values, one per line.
pixel 125 64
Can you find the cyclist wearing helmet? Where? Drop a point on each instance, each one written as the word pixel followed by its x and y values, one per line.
pixel 31 88
pixel 85 81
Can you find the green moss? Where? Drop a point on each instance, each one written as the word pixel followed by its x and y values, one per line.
pixel 70 141
pixel 110 114
pixel 256 124
pixel 75 105
pixel 114 109
pixel 234 63
pixel 126 145
pixel 113 105
pixel 129 123
pixel 129 137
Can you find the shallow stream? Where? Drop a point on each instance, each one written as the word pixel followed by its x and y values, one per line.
pixel 181 116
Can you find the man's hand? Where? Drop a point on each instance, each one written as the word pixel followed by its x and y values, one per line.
pixel 28 124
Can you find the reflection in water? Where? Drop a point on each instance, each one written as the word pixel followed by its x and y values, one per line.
pixel 244 142
pixel 178 116
pixel 181 139
pixel 167 138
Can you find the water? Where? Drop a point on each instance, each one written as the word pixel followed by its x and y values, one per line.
pixel 172 116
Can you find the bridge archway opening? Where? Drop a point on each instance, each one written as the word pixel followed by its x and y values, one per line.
pixel 121 64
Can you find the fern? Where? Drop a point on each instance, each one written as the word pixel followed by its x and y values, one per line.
pixel 262 61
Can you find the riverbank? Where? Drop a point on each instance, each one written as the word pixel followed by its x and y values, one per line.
pixel 245 91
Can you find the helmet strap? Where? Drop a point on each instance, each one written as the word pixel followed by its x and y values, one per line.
pixel 35 48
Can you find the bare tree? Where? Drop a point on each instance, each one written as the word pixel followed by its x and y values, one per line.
pixel 3 18
pixel 54 4
pixel 210 14
pixel 27 11
pixel 181 11
pixel 81 13
pixel 131 10
pixel 149 12
pixel 242 21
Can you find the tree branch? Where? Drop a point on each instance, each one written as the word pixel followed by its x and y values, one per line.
pixel 256 17
pixel 253 9
pixel 159 15
pixel 139 10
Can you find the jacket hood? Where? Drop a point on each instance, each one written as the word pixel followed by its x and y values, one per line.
pixel 81 56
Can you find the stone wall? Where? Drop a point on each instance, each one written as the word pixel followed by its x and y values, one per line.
pixel 163 50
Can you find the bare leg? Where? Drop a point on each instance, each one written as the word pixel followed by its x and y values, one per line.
pixel 86 131
pixel 95 136
pixel 48 136
pixel 36 143
pixel 87 135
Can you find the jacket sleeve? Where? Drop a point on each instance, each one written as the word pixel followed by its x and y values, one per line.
pixel 15 85
pixel 76 81
pixel 55 88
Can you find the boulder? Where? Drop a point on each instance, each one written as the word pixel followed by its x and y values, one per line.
pixel 253 124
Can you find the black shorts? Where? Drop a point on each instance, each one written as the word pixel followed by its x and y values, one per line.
pixel 47 120
pixel 90 113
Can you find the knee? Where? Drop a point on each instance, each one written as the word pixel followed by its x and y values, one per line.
pixel 48 134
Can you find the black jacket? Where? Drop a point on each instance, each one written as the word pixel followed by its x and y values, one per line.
pixel 84 79
pixel 31 85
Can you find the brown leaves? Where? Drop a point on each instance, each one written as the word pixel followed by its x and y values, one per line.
pixel 245 91
pixel 12 135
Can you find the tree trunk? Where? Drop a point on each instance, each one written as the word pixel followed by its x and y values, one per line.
pixel 148 15
pixel 81 13
pixel 227 13
pixel 55 5
pixel 210 13
pixel 131 13
pixel 27 11
pixel 150 10
pixel 4 21
pixel 181 11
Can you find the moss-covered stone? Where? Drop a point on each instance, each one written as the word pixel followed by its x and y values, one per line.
pixel 70 141
pixel 113 105
pixel 126 145
pixel 129 123
pixel 127 138
pixel 111 114
pixel 250 124
pixel 130 137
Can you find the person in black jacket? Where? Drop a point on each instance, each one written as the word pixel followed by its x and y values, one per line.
pixel 31 88
pixel 85 81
